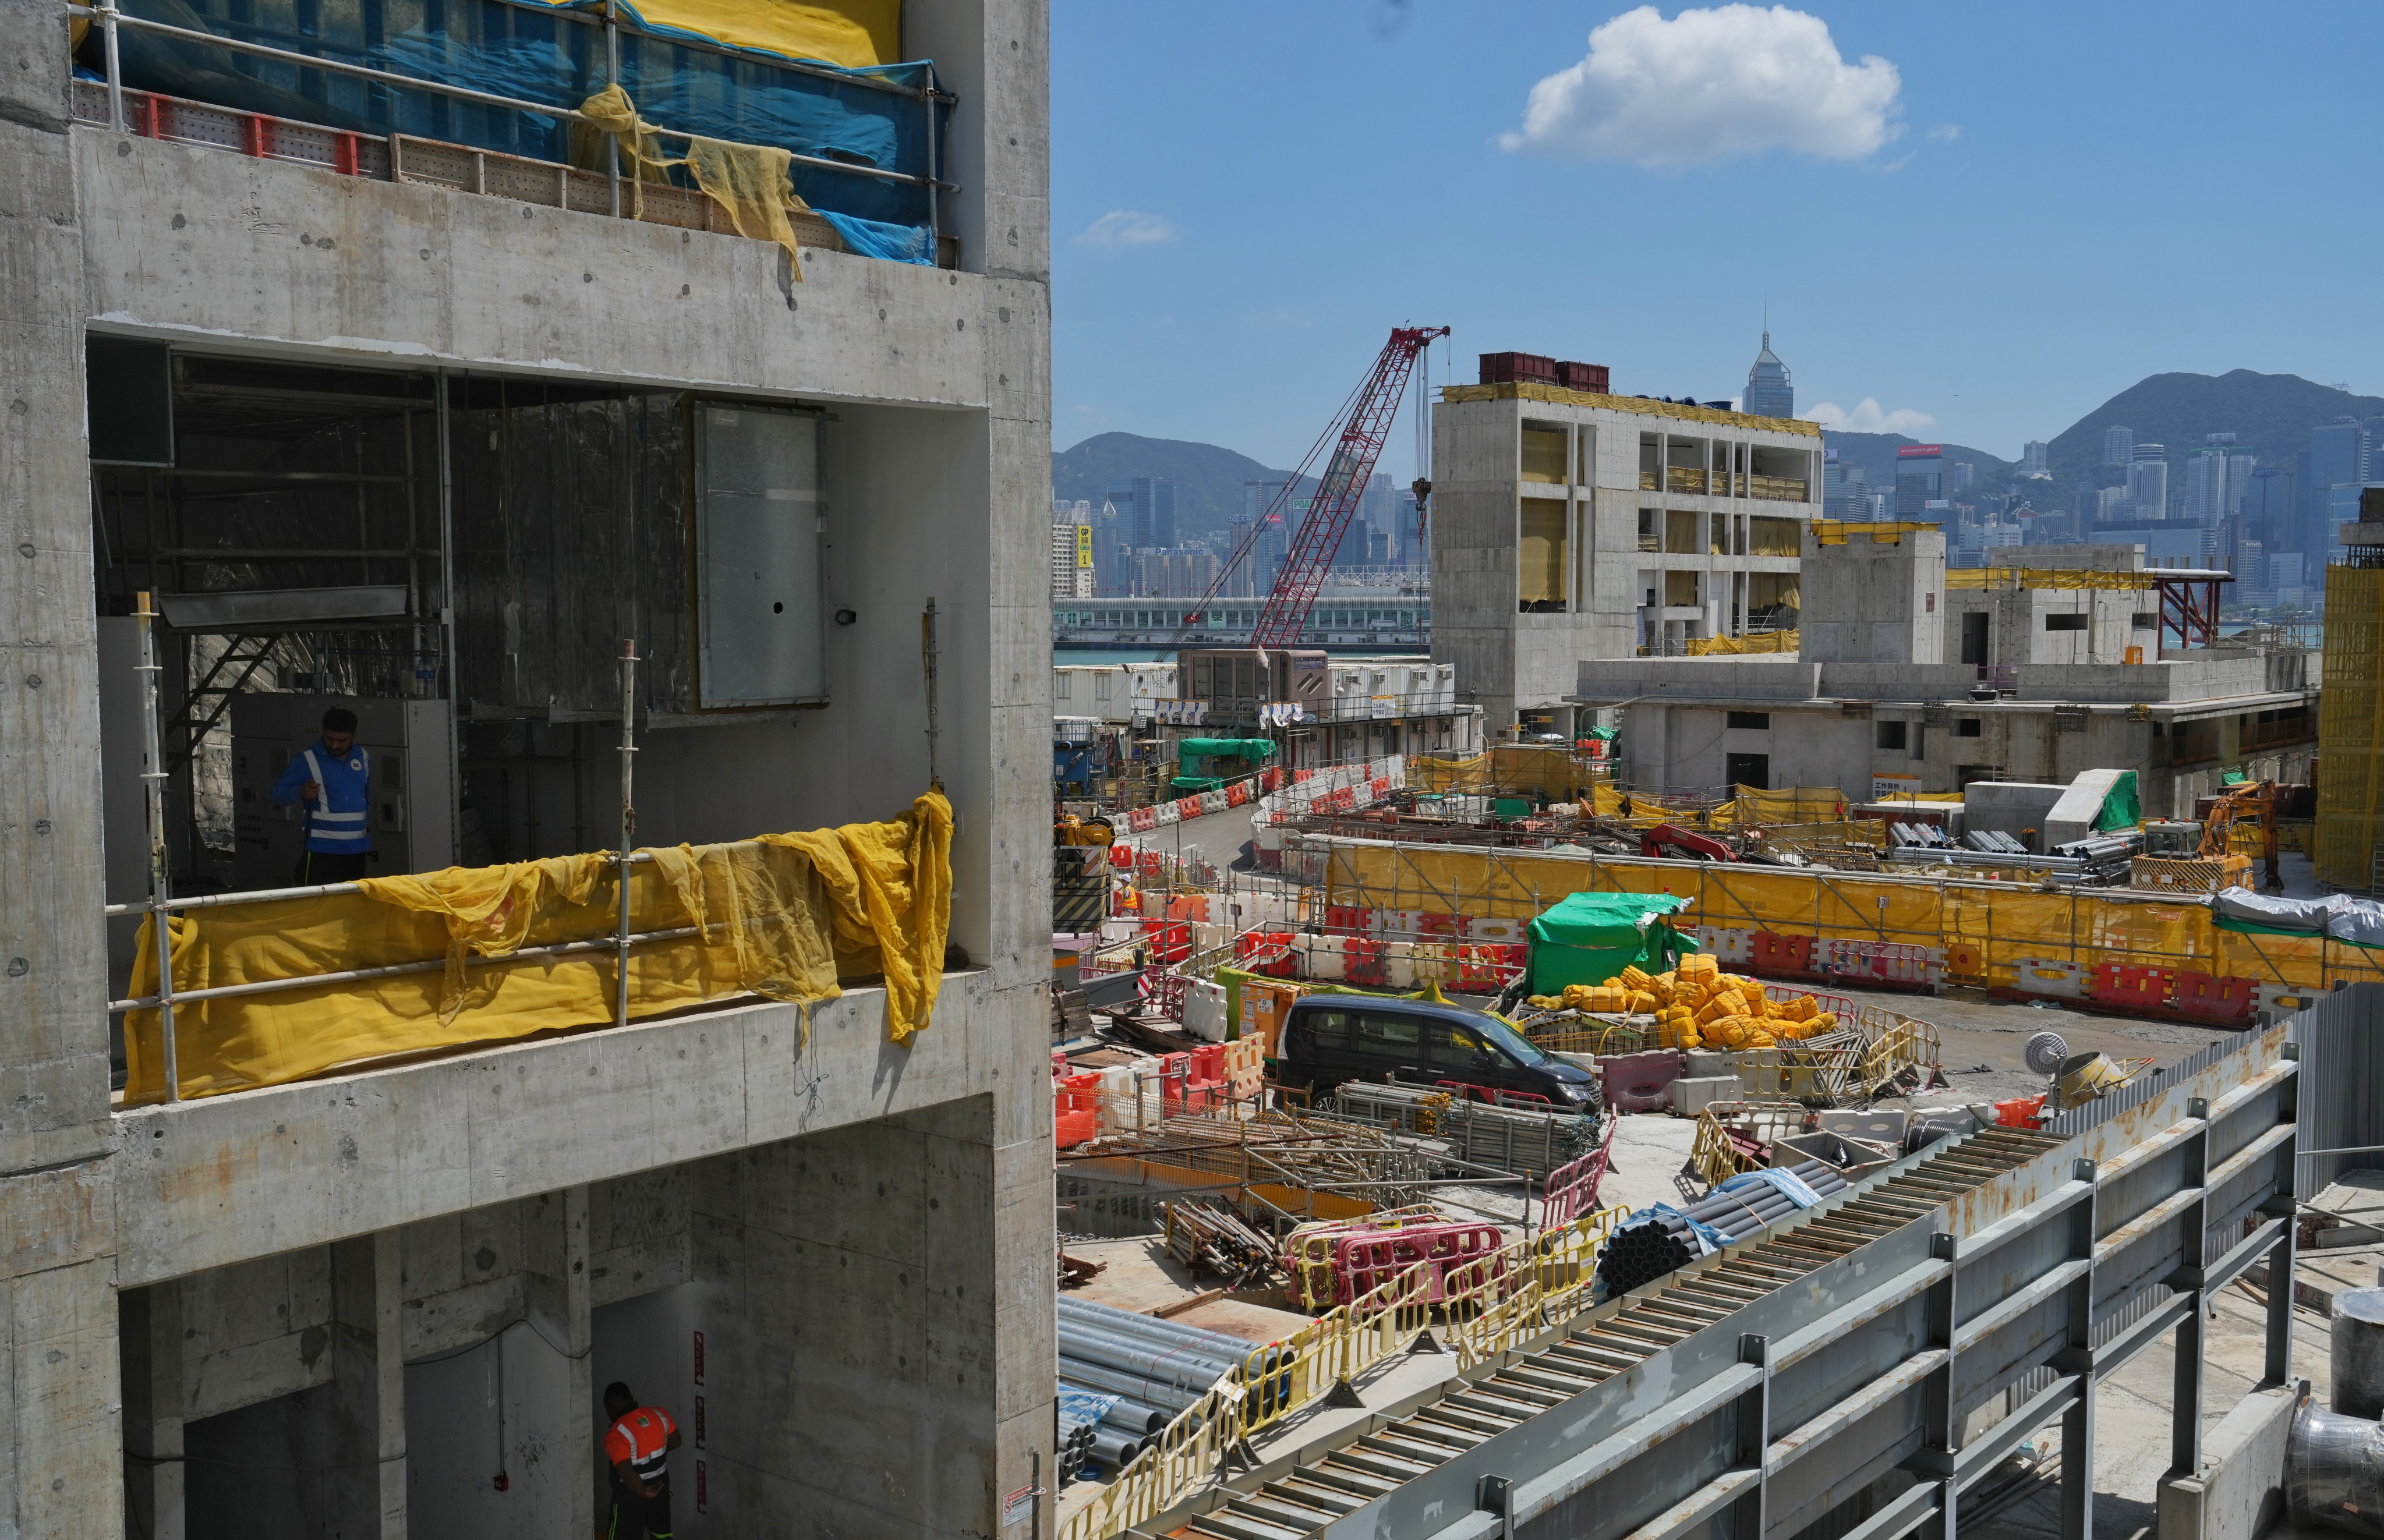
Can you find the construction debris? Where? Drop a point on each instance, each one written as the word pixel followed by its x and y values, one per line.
pixel 1211 1237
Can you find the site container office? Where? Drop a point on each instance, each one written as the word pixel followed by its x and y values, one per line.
pixel 439 374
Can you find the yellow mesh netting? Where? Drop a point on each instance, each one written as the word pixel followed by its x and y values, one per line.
pixel 854 34
pixel 783 916
pixel 2012 929
pixel 1769 641
pixel 749 181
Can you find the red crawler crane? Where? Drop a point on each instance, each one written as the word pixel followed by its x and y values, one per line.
pixel 1364 422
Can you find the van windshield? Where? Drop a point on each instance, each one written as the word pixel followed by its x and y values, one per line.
pixel 1509 1038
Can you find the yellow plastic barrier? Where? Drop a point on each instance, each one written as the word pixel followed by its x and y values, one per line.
pixel 1527 1287
pixel 1274 1382
pixel 782 916
pixel 2002 926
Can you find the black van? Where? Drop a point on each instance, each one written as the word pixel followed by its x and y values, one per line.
pixel 1330 1039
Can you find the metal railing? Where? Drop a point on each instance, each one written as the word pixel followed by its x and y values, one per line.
pixel 161 905
pixel 112 19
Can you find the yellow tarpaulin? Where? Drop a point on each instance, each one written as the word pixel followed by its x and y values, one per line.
pixel 749 181
pixel 783 916
pixel 1988 935
pixel 1768 641
pixel 854 34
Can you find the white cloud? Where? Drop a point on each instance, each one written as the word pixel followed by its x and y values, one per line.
pixel 1947 131
pixel 1710 85
pixel 1126 227
pixel 1867 417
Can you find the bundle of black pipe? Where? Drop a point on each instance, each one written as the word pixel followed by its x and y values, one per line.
pixel 1643 1253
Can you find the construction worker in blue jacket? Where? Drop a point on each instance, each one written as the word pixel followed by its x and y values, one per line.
pixel 332 784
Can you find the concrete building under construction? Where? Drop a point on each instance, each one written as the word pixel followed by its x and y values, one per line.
pixel 2047 662
pixel 1573 524
pixel 388 382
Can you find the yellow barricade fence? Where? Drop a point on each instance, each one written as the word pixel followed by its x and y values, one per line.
pixel 1529 1286
pixel 283 990
pixel 1988 932
pixel 1492 1306
pixel 1275 1381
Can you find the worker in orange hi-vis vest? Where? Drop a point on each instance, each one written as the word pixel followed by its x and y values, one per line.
pixel 637 1448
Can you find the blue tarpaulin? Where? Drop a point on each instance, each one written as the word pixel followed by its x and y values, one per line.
pixel 743 97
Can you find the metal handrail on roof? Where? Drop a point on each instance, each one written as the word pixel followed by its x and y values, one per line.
pixel 112 19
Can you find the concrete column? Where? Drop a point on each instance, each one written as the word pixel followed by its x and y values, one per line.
pixel 555 1297
pixel 59 1386
pixel 151 1322
pixel 368 1496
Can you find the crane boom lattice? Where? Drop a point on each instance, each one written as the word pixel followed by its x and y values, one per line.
pixel 1364 424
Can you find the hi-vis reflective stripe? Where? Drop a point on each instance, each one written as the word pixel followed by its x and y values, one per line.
pixel 356 817
pixel 356 835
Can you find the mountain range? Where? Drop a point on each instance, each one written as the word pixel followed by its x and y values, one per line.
pixel 1208 479
pixel 2270 416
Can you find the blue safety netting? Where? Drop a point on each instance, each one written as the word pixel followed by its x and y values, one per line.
pixel 552 57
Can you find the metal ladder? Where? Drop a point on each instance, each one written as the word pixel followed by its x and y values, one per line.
pixel 210 699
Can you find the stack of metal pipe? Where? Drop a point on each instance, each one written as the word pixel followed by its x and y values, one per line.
pixel 1409 1108
pixel 1511 1138
pixel 1640 1253
pixel 1080 1423
pixel 1156 1368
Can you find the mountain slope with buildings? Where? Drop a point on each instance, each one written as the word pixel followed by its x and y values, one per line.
pixel 1207 478
pixel 1875 453
pixel 2270 415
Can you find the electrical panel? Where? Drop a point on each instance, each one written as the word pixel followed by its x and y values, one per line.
pixel 412 813
pixel 761 529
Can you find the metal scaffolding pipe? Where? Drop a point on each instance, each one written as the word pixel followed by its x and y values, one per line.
pixel 1170 1398
pixel 153 793
pixel 1185 1366
pixel 1130 1323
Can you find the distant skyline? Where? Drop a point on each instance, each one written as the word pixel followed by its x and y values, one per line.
pixel 1247 198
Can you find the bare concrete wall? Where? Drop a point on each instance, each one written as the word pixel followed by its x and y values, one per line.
pixel 60 1399
pixel 851 1286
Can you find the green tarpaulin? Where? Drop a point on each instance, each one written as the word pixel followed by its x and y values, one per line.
pixel 2119 808
pixel 1226 748
pixel 1186 786
pixel 1590 937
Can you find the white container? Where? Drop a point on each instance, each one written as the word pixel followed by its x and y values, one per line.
pixel 1693 1095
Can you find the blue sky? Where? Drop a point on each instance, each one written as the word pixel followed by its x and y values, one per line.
pixel 2024 210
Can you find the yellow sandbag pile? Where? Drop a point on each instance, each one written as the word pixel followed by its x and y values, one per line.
pixel 1697 1005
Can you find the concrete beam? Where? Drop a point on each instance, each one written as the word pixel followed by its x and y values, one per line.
pixel 403 274
pixel 207 1183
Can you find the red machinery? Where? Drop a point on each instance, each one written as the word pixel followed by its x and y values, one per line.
pixel 1670 839
pixel 1364 424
